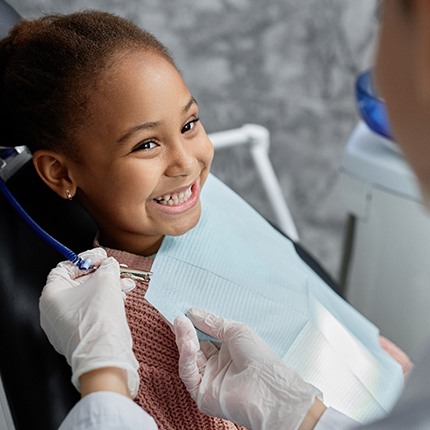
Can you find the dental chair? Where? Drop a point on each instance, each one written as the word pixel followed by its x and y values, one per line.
pixel 36 390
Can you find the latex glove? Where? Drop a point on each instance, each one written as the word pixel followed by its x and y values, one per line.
pixel 244 381
pixel 83 315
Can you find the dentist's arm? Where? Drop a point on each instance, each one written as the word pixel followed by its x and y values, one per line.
pixel 84 318
pixel 243 381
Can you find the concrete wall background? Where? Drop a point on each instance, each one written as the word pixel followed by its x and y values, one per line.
pixel 286 64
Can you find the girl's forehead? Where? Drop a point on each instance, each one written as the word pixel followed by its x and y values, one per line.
pixel 140 73
pixel 132 73
pixel 141 88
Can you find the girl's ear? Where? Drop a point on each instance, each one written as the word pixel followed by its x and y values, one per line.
pixel 54 170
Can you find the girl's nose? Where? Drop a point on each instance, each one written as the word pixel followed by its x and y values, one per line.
pixel 181 159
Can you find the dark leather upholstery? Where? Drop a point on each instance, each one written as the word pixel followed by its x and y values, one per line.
pixel 36 378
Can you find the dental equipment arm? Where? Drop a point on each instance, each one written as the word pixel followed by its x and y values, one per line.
pixel 84 318
pixel 244 381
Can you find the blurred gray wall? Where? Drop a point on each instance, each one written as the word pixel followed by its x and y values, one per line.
pixel 286 64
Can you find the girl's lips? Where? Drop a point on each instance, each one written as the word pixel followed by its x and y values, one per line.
pixel 179 201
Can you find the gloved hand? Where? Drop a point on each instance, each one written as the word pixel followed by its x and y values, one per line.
pixel 244 381
pixel 83 315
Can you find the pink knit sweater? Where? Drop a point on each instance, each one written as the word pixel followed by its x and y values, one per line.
pixel 161 392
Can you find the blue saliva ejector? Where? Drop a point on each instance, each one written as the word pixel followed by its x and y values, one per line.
pixel 11 160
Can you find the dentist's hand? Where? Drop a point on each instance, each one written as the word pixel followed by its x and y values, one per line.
pixel 244 381
pixel 83 315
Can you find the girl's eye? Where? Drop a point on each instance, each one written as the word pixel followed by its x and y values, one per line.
pixel 145 146
pixel 190 125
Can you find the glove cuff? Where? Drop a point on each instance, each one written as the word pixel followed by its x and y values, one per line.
pixel 291 398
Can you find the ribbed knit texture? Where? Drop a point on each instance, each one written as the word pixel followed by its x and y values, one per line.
pixel 161 392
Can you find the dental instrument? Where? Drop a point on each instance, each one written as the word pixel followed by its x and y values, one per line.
pixel 136 275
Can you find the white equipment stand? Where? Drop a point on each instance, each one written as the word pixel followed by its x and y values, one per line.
pixel 257 138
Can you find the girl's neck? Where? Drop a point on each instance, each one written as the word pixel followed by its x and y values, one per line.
pixel 145 248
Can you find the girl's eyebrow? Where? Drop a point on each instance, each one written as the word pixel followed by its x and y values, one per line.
pixel 136 128
pixel 189 104
pixel 149 125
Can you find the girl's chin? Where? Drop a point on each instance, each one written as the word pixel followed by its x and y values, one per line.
pixel 181 227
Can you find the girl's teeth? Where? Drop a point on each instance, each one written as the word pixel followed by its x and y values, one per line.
pixel 174 199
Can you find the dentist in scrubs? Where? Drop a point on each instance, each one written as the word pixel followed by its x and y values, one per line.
pixel 243 380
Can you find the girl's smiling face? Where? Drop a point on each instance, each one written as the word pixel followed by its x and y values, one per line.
pixel 143 155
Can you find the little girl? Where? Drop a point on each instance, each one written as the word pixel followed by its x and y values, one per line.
pixel 111 124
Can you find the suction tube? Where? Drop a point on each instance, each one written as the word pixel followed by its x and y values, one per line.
pixel 66 252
